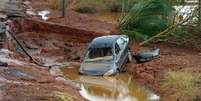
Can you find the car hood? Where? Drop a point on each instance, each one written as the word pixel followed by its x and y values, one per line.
pixel 95 69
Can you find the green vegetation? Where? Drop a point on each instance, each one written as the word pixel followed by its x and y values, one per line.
pixel 104 5
pixel 86 9
pixel 184 85
pixel 146 18
pixel 88 6
pixel 140 19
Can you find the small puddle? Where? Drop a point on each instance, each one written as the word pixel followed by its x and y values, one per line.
pixel 116 88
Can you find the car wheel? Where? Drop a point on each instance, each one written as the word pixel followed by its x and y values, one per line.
pixel 118 70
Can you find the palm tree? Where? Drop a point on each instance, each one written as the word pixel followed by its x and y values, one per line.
pixel 146 18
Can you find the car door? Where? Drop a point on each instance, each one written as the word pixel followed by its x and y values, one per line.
pixel 117 55
pixel 123 50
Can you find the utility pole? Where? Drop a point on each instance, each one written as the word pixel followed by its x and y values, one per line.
pixel 199 13
pixel 63 8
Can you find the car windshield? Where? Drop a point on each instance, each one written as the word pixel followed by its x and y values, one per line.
pixel 99 54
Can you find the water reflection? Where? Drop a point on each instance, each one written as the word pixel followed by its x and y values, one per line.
pixel 118 88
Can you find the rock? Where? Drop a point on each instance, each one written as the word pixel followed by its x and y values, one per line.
pixel 26 3
pixel 55 71
pixel 63 79
pixel 149 68
pixel 147 77
pixel 139 70
pixel 3 16
pixel 12 8
pixel 43 50
pixel 67 82
pixel 3 64
pixel 75 56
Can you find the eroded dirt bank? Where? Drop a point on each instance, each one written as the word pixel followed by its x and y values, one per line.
pixel 152 74
pixel 24 81
pixel 58 50
pixel 72 18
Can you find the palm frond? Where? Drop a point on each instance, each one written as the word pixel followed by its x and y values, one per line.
pixel 147 17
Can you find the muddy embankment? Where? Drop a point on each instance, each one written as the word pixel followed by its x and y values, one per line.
pixel 50 44
pixel 31 25
pixel 63 48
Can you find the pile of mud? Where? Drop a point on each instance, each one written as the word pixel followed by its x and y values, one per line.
pixel 52 48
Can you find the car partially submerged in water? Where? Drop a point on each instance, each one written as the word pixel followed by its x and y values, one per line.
pixel 106 56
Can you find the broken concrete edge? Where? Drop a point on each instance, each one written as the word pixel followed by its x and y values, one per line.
pixel 29 25
pixel 11 8
pixel 55 72
pixel 3 16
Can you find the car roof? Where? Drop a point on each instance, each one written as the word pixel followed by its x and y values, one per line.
pixel 104 41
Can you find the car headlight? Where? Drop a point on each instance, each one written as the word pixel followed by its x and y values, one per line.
pixel 108 73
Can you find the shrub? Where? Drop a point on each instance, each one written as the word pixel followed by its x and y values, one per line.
pixel 86 9
pixel 113 5
pixel 184 84
pixel 88 6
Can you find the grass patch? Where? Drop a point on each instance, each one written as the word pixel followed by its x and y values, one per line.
pixel 104 5
pixel 88 6
pixel 183 85
pixel 64 96
pixel 86 9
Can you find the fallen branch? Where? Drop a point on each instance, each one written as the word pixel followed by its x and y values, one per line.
pixel 158 35
pixel 169 29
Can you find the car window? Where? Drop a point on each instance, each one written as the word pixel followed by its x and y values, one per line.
pixel 117 49
pixel 100 52
pixel 121 42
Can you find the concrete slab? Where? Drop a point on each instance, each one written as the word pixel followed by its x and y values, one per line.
pixel 11 7
pixel 2 4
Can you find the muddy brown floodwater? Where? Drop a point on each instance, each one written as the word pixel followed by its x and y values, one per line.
pixel 116 88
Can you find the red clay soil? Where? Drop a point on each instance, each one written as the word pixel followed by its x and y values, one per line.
pixel 174 58
pixel 150 73
pixel 33 83
pixel 74 19
pixel 57 46
pixel 30 25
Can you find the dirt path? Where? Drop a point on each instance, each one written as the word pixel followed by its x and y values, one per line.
pixel 74 19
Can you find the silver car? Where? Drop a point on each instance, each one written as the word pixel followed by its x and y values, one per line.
pixel 106 56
